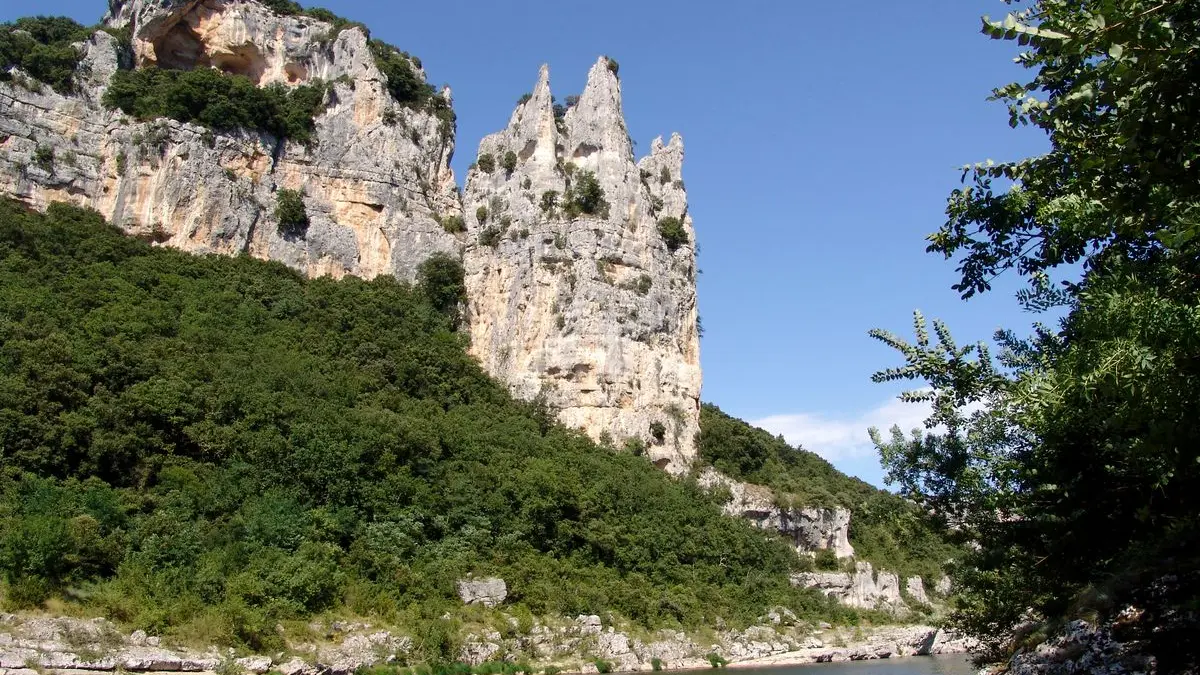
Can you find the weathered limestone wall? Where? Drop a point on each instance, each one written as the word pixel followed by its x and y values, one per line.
pixel 373 190
pixel 592 311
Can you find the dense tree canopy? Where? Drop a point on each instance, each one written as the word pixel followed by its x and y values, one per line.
pixel 1073 459
pixel 217 100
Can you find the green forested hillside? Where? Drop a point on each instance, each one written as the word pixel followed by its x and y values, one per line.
pixel 214 444
pixel 884 529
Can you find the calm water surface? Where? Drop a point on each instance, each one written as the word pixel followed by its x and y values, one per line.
pixel 949 664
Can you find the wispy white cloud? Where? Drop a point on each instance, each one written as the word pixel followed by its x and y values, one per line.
pixel 841 438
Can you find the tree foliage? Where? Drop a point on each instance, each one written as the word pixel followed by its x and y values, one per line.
pixel 1114 87
pixel 215 443
pixel 1071 458
pixel 218 100
pixel 584 196
pixel 440 278
pixel 673 232
pixel 291 213
pixel 42 47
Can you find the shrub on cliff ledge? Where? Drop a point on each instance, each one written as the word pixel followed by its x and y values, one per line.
pixel 42 47
pixel 290 213
pixel 217 100
pixel 453 224
pixel 673 232
pixel 584 196
pixel 658 431
pixel 405 84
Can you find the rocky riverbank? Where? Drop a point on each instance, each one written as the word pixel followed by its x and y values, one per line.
pixel 33 645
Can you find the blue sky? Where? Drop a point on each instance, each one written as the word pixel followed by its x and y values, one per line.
pixel 822 140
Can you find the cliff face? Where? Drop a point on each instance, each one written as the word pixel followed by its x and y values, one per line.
pixel 591 310
pixel 594 311
pixel 809 529
pixel 373 189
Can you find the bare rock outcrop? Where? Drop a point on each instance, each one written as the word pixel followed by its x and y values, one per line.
pixel 374 190
pixel 944 586
pixel 915 587
pixel 33 645
pixel 575 296
pixel 489 592
pixel 864 588
pixel 810 529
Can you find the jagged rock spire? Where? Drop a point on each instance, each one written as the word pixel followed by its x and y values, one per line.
pixel 531 128
pixel 598 137
pixel 592 311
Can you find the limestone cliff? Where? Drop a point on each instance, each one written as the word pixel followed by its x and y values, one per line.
pixel 588 306
pixel 373 189
pixel 592 310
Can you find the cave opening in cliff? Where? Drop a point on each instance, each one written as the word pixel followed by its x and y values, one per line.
pixel 179 48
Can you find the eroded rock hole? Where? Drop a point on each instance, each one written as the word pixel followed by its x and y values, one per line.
pixel 179 48
pixel 584 150
pixel 241 60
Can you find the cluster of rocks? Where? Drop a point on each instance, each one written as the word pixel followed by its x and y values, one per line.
pixel 32 645
pixel 780 639
pixel 810 529
pixel 91 645
pixel 488 592
pixel 67 645
pixel 1082 648
pixel 867 589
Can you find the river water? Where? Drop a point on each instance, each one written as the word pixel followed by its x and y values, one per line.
pixel 948 664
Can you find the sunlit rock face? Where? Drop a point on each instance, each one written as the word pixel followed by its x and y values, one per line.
pixel 864 588
pixel 373 189
pixel 594 312
pixel 810 529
